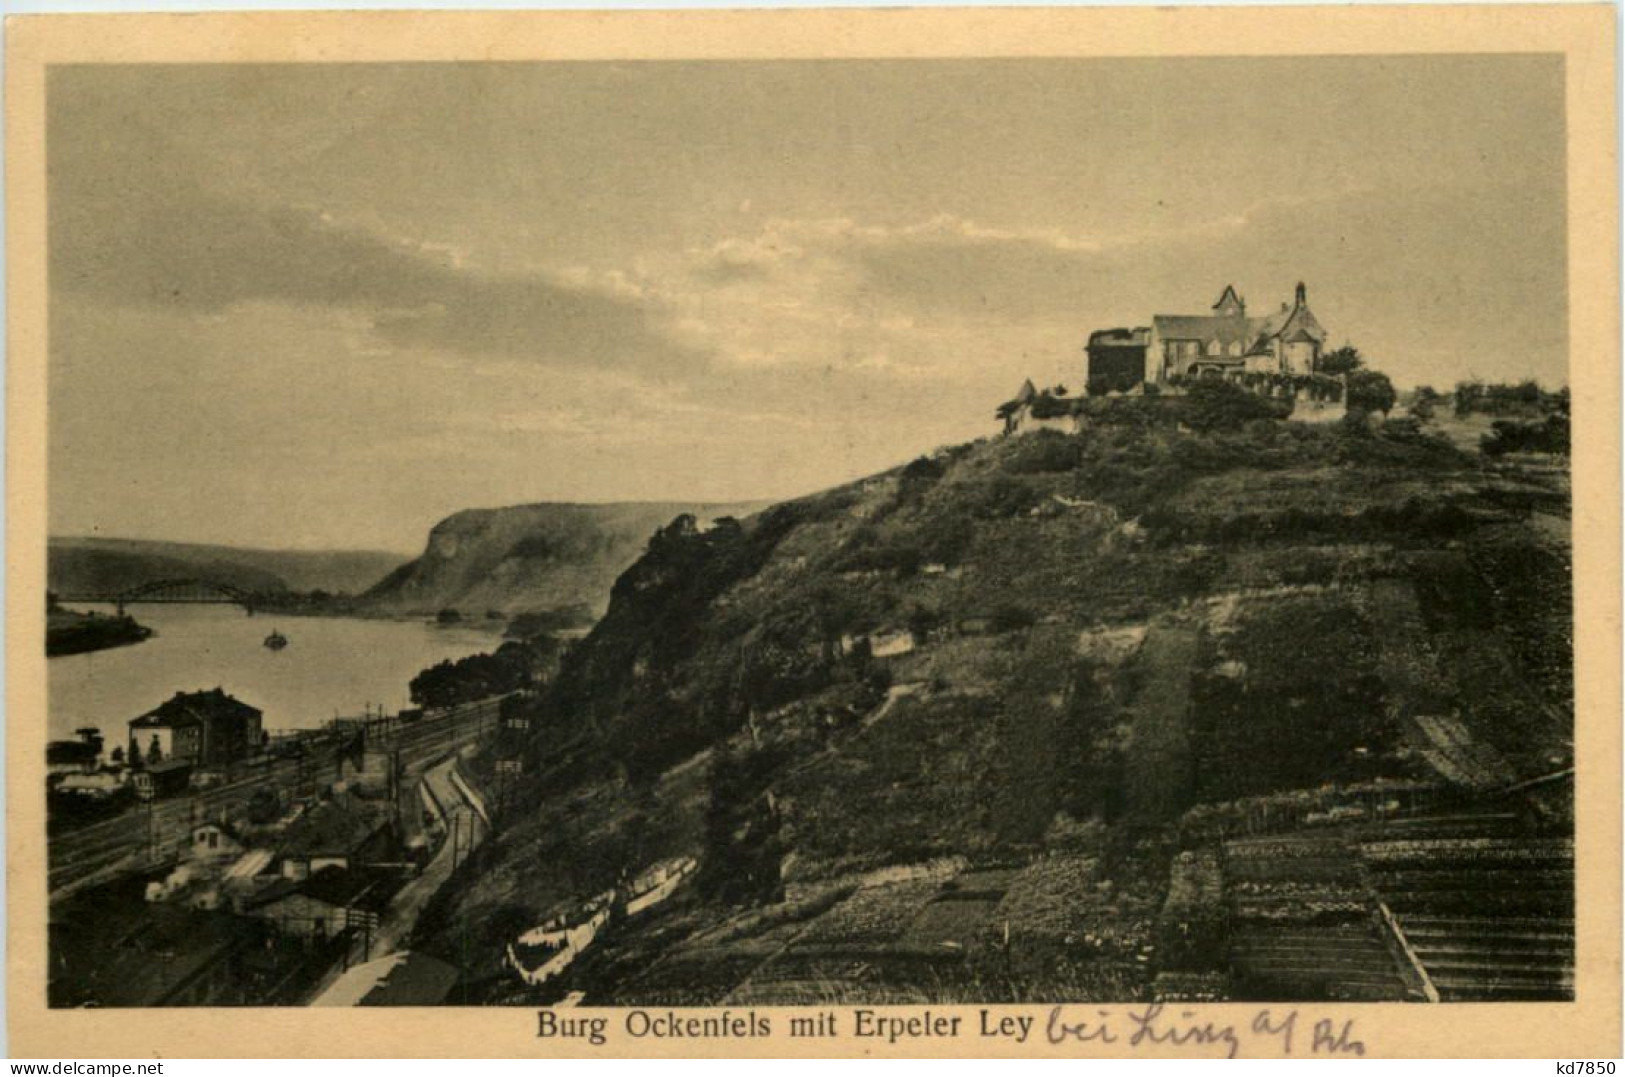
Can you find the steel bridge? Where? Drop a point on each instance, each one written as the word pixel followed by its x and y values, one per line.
pixel 171 592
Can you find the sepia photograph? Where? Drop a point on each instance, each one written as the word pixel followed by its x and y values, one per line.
pixel 825 532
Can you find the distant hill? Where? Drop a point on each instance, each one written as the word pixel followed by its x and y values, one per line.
pixel 79 565
pixel 532 557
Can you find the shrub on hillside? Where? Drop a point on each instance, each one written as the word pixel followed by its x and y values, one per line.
pixel 946 538
pixel 1548 436
pixel 1525 398
pixel 1371 390
pixel 1215 404
pixel 896 556
pixel 918 477
pixel 1143 412
pixel 1011 616
pixel 1048 405
pixel 1402 428
pixel 1002 497
pixel 1042 453
pixel 1424 402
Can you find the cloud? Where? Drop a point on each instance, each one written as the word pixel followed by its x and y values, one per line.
pixel 836 305
pixel 162 237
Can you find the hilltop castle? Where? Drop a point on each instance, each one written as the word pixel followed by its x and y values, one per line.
pixel 1274 355
pixel 1226 341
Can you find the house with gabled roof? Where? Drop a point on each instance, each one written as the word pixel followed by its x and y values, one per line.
pixel 1288 341
pixel 333 835
pixel 203 728
pixel 324 905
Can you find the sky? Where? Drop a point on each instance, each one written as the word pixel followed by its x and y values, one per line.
pixel 317 306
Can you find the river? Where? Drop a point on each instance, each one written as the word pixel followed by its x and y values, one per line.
pixel 331 666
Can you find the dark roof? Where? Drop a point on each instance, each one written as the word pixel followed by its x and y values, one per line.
pixel 1301 324
pixel 171 720
pixel 335 886
pixel 1291 325
pixel 1226 328
pixel 111 947
pixel 416 979
pixel 167 765
pixel 224 827
pixel 1119 338
pixel 348 889
pixel 193 708
pixel 272 892
pixel 70 752
pixel 331 829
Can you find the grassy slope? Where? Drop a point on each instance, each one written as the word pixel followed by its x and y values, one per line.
pixel 1121 624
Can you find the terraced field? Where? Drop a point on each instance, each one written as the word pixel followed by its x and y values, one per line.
pixel 1482 910
pixel 1489 916
pixel 1303 923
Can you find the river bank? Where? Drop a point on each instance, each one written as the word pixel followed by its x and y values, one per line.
pixel 70 632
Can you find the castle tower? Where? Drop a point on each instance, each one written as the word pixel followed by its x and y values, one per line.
pixel 1230 304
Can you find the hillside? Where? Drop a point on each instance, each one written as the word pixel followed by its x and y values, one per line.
pixel 529 557
pixel 100 565
pixel 1163 709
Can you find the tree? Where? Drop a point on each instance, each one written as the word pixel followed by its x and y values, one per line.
pixel 1344 360
pixel 135 756
pixel 1215 404
pixel 155 754
pixel 263 807
pixel 1468 394
pixel 1370 390
pixel 1424 401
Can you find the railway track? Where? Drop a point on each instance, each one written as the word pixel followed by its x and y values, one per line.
pixel 152 833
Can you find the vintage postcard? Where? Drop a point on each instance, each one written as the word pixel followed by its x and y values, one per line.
pixel 978 532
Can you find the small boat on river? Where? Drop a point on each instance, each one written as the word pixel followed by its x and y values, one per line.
pixel 276 640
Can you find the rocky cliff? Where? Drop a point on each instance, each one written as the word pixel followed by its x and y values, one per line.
pixel 531 557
